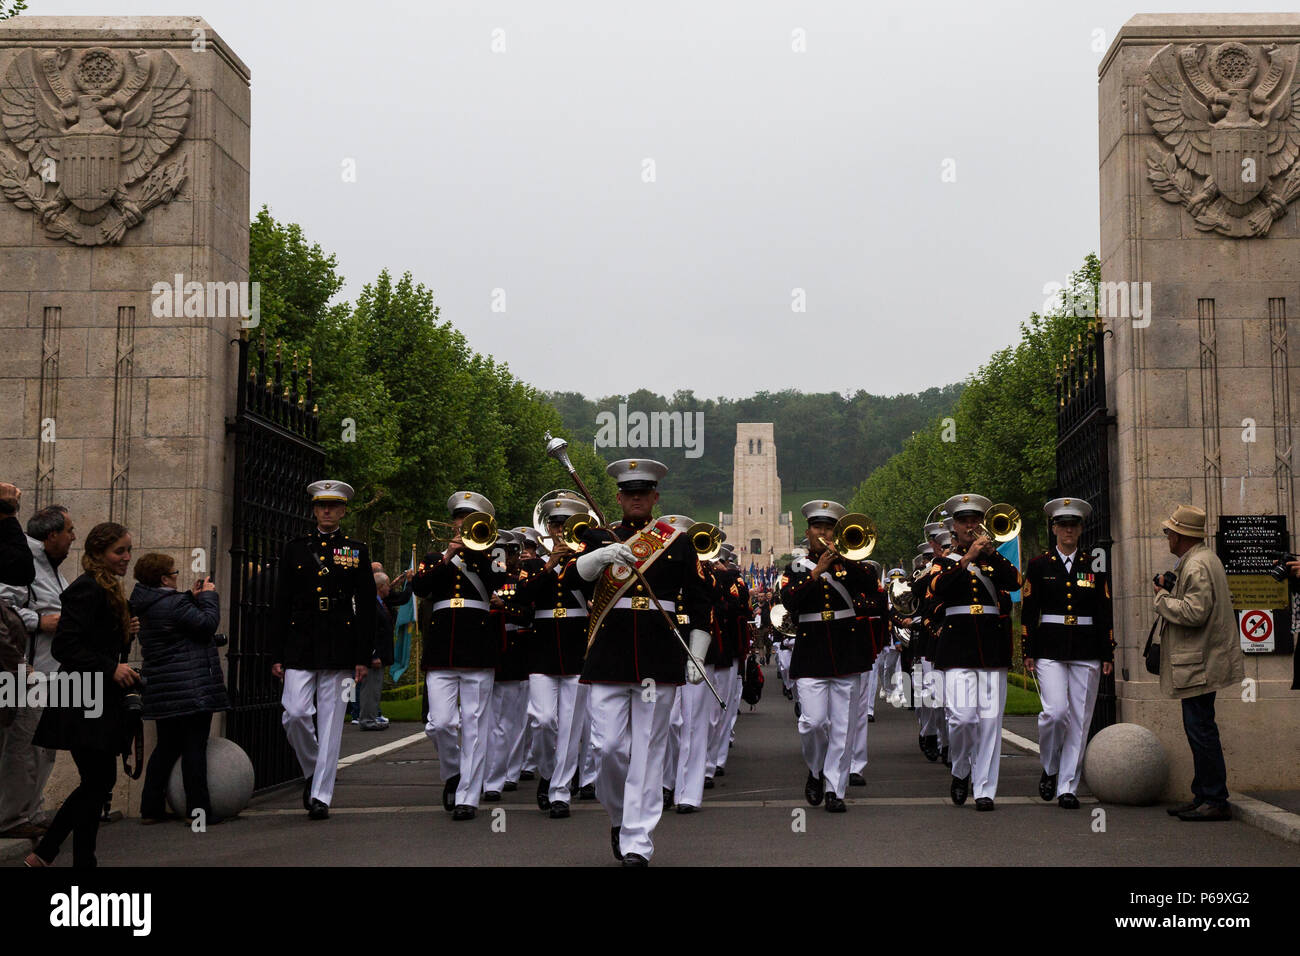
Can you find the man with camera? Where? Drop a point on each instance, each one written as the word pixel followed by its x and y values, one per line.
pixel 1199 655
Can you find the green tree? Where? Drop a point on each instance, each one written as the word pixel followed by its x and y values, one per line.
pixel 11 8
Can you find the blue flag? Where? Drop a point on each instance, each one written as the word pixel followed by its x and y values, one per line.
pixel 1011 551
pixel 405 625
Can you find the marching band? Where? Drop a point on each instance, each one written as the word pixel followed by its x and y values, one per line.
pixel 607 659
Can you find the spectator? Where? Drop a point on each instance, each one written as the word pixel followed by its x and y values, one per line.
pixel 372 684
pixel 1199 656
pixel 15 557
pixel 93 635
pixel 25 768
pixel 183 686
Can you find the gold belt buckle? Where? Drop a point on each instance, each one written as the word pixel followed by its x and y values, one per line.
pixel 561 611
pixel 977 608
pixel 640 604
pixel 324 603
pixel 683 619
pixel 828 615
pixel 457 602
pixel 1071 619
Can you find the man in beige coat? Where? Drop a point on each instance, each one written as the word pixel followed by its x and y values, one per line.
pixel 1199 656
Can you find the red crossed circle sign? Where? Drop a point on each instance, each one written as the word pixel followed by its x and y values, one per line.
pixel 1256 625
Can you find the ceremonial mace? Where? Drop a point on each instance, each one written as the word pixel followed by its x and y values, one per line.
pixel 557 449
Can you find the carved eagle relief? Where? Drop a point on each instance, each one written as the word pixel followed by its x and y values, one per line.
pixel 1233 141
pixel 90 124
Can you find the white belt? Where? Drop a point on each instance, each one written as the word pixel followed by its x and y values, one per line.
pixel 643 604
pixel 511 627
pixel 459 603
pixel 562 612
pixel 971 609
pixel 826 616
pixel 1063 619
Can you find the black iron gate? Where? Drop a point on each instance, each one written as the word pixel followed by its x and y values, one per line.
pixel 276 455
pixel 1083 463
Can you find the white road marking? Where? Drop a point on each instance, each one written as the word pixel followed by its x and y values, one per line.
pixel 380 751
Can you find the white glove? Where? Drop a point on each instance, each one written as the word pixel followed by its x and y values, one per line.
pixel 700 641
pixel 593 562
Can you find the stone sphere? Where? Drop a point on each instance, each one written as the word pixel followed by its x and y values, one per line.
pixel 1126 764
pixel 230 779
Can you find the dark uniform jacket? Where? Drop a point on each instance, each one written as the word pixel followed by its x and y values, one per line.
pixel 635 645
pixel 871 613
pixel 457 635
pixel 1081 593
pixel 88 640
pixel 324 604
pixel 557 644
pixel 513 623
pixel 835 644
pixel 973 640
pixel 731 618
pixel 16 564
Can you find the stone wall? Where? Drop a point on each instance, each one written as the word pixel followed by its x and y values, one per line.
pixel 1203 385
pixel 128 142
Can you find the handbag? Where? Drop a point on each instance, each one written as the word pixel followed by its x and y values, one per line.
pixel 1151 653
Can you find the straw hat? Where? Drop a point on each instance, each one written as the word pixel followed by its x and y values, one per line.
pixel 1187 520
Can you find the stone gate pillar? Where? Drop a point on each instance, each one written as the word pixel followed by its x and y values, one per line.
pixel 1200 251
pixel 124 212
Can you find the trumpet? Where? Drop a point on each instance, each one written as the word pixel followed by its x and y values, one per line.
pixel 706 539
pixel 478 531
pixel 854 537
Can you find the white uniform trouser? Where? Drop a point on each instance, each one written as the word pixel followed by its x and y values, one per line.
pixel 506 738
pixel 858 753
pixel 460 731
pixel 697 716
pixel 882 676
pixel 976 699
pixel 826 707
pixel 931 714
pixel 721 721
pixel 673 749
pixel 783 656
pixel 530 739
pixel 318 693
pixel 556 708
pixel 587 748
pixel 1069 691
pixel 630 735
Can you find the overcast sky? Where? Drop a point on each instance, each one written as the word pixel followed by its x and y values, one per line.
pixel 774 170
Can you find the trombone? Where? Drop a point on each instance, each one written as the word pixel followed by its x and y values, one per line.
pixel 706 539
pixel 854 537
pixel 478 531
pixel 1002 523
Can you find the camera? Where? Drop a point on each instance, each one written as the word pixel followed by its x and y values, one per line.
pixel 132 702
pixel 219 640
pixel 1279 571
pixel 1166 580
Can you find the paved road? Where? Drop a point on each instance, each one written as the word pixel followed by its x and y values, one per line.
pixel 387 811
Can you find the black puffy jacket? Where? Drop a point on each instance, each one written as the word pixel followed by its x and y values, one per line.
pixel 181 667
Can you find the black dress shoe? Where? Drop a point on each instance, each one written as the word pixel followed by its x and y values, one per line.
pixel 798 711
pixel 543 788
pixel 635 859
pixel 588 792
pixel 931 747
pixel 491 796
pixel 463 811
pixel 857 780
pixel 1183 808
pixel 920 742
pixel 720 772
pixel 943 755
pixel 1047 785
pixel 318 810
pixel 834 804
pixel 449 793
pixel 306 794
pixel 511 786
pixel 1207 812
pixel 526 775
pixel 871 718
pixel 559 810
pixel 960 790
pixel 613 842
pixel 668 799
pixel 1067 801
pixel 813 790
pixel 984 804
pixel 687 808
pixel 708 783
